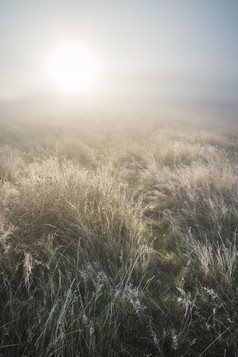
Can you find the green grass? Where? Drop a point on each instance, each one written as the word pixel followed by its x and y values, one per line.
pixel 118 239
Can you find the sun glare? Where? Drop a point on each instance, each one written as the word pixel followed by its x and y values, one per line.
pixel 73 69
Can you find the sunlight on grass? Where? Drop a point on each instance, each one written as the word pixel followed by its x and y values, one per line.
pixel 116 245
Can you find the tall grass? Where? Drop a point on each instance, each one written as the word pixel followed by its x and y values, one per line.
pixel 120 241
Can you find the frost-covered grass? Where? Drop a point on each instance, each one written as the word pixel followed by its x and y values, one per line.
pixel 118 239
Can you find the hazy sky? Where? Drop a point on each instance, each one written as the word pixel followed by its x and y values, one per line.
pixel 144 47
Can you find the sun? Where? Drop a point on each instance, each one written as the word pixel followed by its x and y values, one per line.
pixel 72 69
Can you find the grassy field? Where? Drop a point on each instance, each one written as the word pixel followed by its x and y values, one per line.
pixel 118 239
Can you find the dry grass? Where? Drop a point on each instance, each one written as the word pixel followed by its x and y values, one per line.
pixel 118 240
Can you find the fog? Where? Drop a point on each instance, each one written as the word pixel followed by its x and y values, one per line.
pixel 178 58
